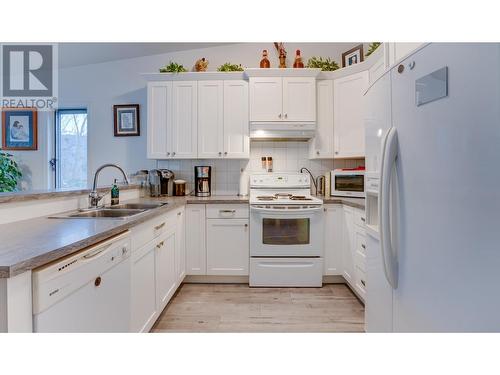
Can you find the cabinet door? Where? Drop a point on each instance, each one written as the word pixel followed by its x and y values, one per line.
pixel 349 134
pixel 196 251
pixel 166 280
pixel 266 99
pixel 333 239
pixel 184 134
pixel 399 50
pixel 180 247
pixel 159 119
pixel 143 288
pixel 321 146
pixel 227 247
pixel 299 99
pixel 347 246
pixel 210 119
pixel 236 132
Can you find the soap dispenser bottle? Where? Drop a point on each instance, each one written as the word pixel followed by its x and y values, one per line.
pixel 115 193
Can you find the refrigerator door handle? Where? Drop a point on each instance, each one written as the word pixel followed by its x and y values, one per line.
pixel 389 155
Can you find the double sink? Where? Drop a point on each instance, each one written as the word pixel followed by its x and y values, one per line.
pixel 120 211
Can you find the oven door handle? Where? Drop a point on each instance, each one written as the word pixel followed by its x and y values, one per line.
pixel 287 211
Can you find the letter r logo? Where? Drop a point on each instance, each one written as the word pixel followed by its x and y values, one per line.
pixel 27 70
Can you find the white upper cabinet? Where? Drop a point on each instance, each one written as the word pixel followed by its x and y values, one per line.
pixel 299 99
pixel 236 133
pixel 278 99
pixel 159 118
pixel 184 131
pixel 321 146
pixel 266 99
pixel 349 134
pixel 399 50
pixel 211 119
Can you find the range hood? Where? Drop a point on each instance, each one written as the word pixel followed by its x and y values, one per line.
pixel 282 131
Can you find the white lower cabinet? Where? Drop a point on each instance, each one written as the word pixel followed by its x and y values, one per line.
pixel 143 288
pixel 166 276
pixel 196 250
pixel 347 245
pixel 333 239
pixel 180 246
pixel 228 246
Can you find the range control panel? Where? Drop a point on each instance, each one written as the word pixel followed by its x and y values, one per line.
pixel 279 180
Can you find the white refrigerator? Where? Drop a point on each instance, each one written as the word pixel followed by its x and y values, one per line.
pixel 433 252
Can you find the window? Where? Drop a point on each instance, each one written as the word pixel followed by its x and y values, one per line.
pixel 71 148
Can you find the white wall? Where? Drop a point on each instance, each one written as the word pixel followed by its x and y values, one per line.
pixel 99 86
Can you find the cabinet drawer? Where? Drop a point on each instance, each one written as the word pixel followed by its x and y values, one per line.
pixel 360 282
pixel 227 211
pixel 151 229
pixel 359 218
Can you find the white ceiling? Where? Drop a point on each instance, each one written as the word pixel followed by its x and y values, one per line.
pixel 74 54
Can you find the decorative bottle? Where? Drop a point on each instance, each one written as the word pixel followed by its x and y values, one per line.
pixel 298 60
pixel 115 193
pixel 265 63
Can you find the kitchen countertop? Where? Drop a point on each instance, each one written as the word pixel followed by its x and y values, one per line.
pixel 352 202
pixel 32 243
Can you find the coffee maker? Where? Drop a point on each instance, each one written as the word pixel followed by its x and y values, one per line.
pixel 202 181
pixel 161 182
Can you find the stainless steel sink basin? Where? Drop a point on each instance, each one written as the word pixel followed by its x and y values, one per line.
pixel 136 206
pixel 105 213
pixel 120 211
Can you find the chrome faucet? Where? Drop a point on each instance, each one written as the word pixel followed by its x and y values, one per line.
pixel 312 179
pixel 94 197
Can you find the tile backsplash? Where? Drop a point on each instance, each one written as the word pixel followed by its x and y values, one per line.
pixel 287 157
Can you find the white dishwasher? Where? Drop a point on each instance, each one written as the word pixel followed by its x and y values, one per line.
pixel 85 292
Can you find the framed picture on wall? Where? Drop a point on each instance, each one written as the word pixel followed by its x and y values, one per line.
pixel 127 123
pixel 19 129
pixel 353 56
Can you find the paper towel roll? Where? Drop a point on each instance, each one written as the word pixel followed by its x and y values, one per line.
pixel 244 180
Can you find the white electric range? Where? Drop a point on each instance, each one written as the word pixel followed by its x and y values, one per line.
pixel 286 231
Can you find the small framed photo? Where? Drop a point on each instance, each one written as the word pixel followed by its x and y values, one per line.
pixel 353 56
pixel 126 120
pixel 19 129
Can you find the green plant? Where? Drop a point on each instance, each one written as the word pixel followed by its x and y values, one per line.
pixel 326 64
pixel 228 67
pixel 10 173
pixel 372 47
pixel 173 68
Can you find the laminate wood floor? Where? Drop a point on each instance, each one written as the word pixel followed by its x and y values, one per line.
pixel 238 308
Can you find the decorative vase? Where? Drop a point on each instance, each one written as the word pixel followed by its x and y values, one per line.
pixel 282 61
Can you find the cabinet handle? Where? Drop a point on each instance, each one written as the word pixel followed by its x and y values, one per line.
pixel 246 225
pixel 225 152
pixel 173 153
pixel 363 246
pixel 227 211
pixel 168 153
pixel 220 153
pixel 363 219
pixel 97 281
pixel 336 152
pixel 279 116
pixel 363 282
pixel 160 244
pixel 179 213
pixel 286 115
pixel 160 226
pixel 317 152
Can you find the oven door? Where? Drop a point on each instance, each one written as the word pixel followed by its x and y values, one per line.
pixel 284 231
